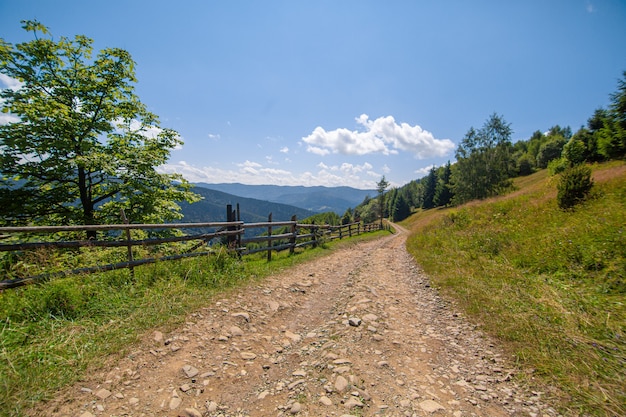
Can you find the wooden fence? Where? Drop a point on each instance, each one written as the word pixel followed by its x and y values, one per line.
pixel 291 235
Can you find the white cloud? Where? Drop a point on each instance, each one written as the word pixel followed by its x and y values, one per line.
pixel 284 150
pixel 249 172
pixel 318 151
pixel 9 82
pixel 346 167
pixel 214 137
pixel 382 135
pixel 422 172
pixel 147 131
pixel 6 118
pixel 270 160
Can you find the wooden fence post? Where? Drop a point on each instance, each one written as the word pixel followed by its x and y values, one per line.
pixel 314 232
pixel 231 240
pixel 130 246
pixel 269 241
pixel 239 235
pixel 294 232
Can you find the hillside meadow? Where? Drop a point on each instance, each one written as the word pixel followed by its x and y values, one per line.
pixel 549 284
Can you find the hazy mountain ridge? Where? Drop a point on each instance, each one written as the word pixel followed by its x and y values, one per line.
pixel 317 199
pixel 212 208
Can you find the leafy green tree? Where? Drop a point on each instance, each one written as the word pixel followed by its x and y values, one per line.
pixel 390 200
pixel 565 132
pixel 368 210
pixel 611 139
pixel 550 150
pixel 590 142
pixel 401 208
pixel 618 102
pixel 523 157
pixel 415 193
pixel 575 150
pixel 596 122
pixel 83 146
pixel 612 135
pixel 443 190
pixel 430 184
pixel 525 165
pixel 484 162
pixel 381 186
pixel 534 143
pixel 347 217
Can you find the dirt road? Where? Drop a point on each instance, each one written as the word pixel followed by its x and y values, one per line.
pixel 359 332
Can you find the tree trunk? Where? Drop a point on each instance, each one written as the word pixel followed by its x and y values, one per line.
pixel 86 203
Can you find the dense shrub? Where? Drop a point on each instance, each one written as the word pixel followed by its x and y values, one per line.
pixel 575 151
pixel 525 165
pixel 557 166
pixel 550 150
pixel 574 186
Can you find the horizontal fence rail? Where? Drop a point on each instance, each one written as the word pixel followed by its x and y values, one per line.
pixel 288 235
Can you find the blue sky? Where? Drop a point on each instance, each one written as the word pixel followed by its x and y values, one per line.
pixel 343 92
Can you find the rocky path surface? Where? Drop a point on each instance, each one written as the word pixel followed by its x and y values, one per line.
pixel 359 332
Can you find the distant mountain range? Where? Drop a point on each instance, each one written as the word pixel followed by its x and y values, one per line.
pixel 212 208
pixel 316 199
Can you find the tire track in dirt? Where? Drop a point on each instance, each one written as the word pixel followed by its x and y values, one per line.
pixel 358 332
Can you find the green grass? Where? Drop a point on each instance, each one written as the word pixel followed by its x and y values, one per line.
pixel 52 334
pixel 550 284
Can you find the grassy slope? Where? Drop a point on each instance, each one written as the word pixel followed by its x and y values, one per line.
pixel 551 285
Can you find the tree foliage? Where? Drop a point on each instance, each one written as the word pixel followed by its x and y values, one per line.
pixel 574 186
pixel 443 190
pixel 82 146
pixel 607 128
pixel 381 186
pixel 400 208
pixel 550 150
pixel 430 184
pixel 483 161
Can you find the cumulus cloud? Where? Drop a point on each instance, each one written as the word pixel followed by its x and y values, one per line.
pixel 9 82
pixel 250 172
pixel 346 167
pixel 214 137
pixel 422 172
pixel 6 118
pixel 284 150
pixel 382 135
pixel 147 131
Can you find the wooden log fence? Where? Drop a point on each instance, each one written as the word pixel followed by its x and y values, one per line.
pixel 291 235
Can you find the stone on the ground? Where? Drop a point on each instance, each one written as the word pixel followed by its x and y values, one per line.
pixel 341 384
pixel 103 393
pixel 190 371
pixel 430 406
